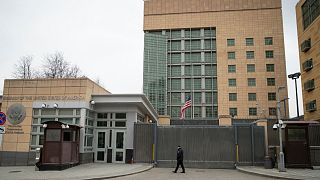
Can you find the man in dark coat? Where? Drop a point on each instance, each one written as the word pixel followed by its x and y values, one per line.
pixel 179 160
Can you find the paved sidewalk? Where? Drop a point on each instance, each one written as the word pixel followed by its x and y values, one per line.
pixel 84 171
pixel 304 174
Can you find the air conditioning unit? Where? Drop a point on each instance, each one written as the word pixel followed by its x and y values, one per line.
pixel 308 65
pixel 309 85
pixel 312 106
pixel 306 45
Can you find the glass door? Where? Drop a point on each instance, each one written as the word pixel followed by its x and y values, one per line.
pixel 119 150
pixel 101 146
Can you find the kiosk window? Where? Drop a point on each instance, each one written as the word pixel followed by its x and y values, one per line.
pixel 53 135
pixel 67 136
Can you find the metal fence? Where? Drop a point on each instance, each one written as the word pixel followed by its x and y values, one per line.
pixel 204 146
pixel 314 143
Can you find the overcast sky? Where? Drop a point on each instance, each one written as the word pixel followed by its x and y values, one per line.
pixel 103 37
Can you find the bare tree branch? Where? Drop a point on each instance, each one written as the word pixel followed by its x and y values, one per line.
pixel 23 69
pixel 55 66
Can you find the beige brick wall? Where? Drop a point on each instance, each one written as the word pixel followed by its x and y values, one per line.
pixel 82 87
pixel 311 32
pixel 238 19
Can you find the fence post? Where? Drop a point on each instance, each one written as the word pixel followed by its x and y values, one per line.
pixel 252 144
pixel 236 144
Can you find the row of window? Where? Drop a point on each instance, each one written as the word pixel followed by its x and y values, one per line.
pixel 195 70
pixel 195 111
pixel 194 57
pixel 189 33
pixel 251 82
pixel 111 115
pixel 195 84
pixel 252 111
pixel 250 41
pixel 251 68
pixel 253 96
pixel 190 45
pixel 269 54
pixel 209 97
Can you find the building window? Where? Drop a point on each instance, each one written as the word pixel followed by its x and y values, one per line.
pixel 175 84
pixel 270 67
pixel 232 96
pixel 251 81
pixel 268 41
pixel 311 106
pixel 197 84
pixel 271 82
pixel 252 96
pixel 209 112
pixel 175 98
pixel 310 11
pixel 197 98
pixel 251 68
pixel 250 54
pixel 197 111
pixel 209 98
pixel 249 42
pixel 231 55
pixel 309 85
pixel 272 111
pixel 231 68
pixel 231 42
pixel 269 54
pixel 252 111
pixel 176 45
pixel 121 115
pixel 196 70
pixel 175 71
pixel 232 82
pixel 210 70
pixel 272 96
pixel 233 112
pixel 176 58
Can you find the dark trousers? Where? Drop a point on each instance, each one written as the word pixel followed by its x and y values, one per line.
pixel 179 163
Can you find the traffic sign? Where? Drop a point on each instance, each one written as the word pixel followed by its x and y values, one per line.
pixel 2 130
pixel 3 118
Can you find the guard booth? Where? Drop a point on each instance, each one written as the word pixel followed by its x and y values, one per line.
pixel 297 148
pixel 61 146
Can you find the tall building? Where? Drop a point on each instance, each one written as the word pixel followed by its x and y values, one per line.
pixel 227 55
pixel 308 22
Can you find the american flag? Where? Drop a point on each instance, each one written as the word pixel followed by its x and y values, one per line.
pixel 186 105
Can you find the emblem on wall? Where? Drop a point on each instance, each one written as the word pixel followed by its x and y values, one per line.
pixel 16 114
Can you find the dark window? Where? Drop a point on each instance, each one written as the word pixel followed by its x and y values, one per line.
pixel 233 112
pixel 250 54
pixel 270 67
pixel 310 11
pixel 232 82
pixel 306 45
pixel 251 68
pixel 271 81
pixel 272 111
pixel 269 54
pixel 252 96
pixel 120 124
pixel 121 115
pixel 102 115
pixel 230 42
pixel 231 55
pixel 272 96
pixel 311 106
pixel 231 68
pixel 252 111
pixel 251 81
pixel 232 96
pixel 102 123
pixel 67 136
pixel 268 41
pixel 249 42
pixel 309 85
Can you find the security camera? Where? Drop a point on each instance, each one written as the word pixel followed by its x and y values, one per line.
pixel 275 127
pixel 43 105
pixel 92 102
pixel 55 105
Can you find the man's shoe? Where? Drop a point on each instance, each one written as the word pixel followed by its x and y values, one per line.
pixel 174 171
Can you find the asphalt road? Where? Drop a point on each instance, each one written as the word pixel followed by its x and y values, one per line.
pixel 193 174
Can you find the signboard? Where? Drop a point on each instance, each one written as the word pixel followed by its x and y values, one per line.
pixel 2 130
pixel 3 118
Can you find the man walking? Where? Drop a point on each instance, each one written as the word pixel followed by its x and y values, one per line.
pixel 179 160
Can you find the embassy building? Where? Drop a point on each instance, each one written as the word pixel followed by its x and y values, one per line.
pixel 227 55
pixel 106 120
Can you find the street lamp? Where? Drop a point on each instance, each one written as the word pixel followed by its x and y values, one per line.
pixel 296 76
pixel 281 165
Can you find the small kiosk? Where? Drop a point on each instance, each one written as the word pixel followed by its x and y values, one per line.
pixel 61 146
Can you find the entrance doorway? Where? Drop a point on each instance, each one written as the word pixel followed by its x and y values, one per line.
pixel 297 146
pixel 110 146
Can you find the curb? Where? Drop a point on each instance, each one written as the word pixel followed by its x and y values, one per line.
pixel 121 175
pixel 267 174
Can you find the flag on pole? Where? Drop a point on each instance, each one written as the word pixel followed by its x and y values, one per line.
pixel 186 105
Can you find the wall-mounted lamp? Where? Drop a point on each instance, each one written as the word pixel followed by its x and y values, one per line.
pixel 150 121
pixel 55 105
pixel 44 125
pixel 92 102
